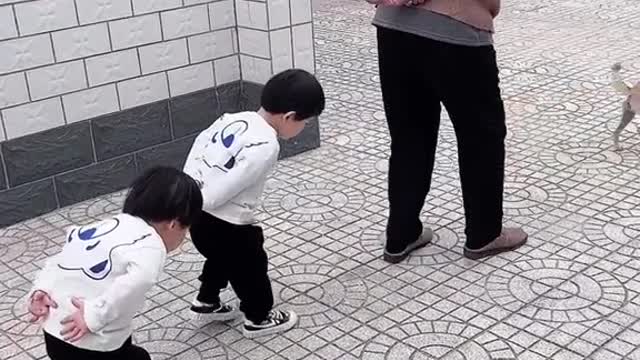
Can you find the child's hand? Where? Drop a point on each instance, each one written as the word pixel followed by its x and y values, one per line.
pixel 74 326
pixel 415 2
pixel 39 306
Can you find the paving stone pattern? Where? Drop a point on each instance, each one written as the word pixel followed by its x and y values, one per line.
pixel 572 293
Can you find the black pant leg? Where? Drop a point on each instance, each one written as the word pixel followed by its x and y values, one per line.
pixel 412 108
pixel 212 238
pixel 249 277
pixel 134 352
pixel 470 84
pixel 61 350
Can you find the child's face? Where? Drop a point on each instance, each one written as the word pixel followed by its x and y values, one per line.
pixel 290 127
pixel 173 234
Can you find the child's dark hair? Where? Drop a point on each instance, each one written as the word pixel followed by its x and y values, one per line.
pixel 294 90
pixel 164 193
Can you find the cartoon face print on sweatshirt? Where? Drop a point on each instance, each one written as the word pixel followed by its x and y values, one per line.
pixel 89 248
pixel 225 142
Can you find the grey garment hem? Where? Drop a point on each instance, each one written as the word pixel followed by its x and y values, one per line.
pixel 431 35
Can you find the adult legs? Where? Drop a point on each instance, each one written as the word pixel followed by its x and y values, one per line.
pixel 413 116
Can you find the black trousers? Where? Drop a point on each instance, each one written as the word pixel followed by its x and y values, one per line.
pixel 60 350
pixel 417 75
pixel 235 255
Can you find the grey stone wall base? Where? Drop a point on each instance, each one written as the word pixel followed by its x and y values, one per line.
pixel 77 162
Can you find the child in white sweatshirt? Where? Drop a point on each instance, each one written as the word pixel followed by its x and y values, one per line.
pixel 88 294
pixel 231 160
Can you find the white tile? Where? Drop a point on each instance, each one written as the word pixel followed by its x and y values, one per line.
pixel 254 42
pixel 45 15
pixel 300 11
pixel 32 118
pixel 164 56
pixel 303 55
pixel 227 69
pixel 56 79
pixel 146 6
pixel 195 2
pixel 143 90
pixel 7 24
pixel 183 22
pixel 252 14
pixel 281 54
pixel 255 70
pixel 24 53
pixel 81 42
pixel 113 67
pixel 90 103
pixel 13 90
pixel 135 31
pixel 223 14
pixel 191 78
pixel 212 45
pixel 91 11
pixel 279 13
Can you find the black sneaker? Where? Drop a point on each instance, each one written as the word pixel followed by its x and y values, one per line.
pixel 277 321
pixel 214 312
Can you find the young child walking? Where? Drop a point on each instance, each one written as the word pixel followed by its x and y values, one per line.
pixel 231 160
pixel 88 294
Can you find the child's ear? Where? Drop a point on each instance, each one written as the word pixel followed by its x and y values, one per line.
pixel 290 116
pixel 174 224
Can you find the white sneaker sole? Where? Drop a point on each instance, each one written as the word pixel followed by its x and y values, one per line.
pixel 216 317
pixel 293 321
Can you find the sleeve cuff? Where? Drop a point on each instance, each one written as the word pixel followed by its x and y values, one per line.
pixel 93 316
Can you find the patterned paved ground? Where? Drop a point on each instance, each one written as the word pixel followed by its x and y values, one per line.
pixel 572 293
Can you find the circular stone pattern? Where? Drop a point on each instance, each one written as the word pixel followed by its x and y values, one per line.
pixel 374 167
pixel 437 340
pixel 380 167
pixel 96 209
pixel 556 290
pixel 620 227
pixel 187 259
pixel 178 344
pixel 527 196
pixel 314 202
pixel 14 319
pixel 588 159
pixel 319 294
pixel 443 247
pixel 22 245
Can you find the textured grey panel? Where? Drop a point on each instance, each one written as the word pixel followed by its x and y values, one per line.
pixel 102 178
pixel 131 130
pixel 3 183
pixel 34 157
pixel 27 201
pixel 194 112
pixel 170 154
pixel 250 96
pixel 308 139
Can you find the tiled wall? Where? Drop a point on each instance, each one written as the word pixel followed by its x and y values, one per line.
pixel 274 35
pixel 94 91
pixel 65 61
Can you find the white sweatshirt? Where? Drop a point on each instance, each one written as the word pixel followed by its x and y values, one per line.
pixel 231 161
pixel 111 264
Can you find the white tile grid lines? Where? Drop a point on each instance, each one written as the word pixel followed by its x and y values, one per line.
pixel 274 35
pixel 60 56
pixel 572 293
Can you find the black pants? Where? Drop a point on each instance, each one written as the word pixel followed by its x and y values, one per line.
pixel 60 350
pixel 417 76
pixel 235 255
